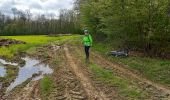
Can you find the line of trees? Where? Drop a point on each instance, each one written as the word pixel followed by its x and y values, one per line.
pixel 25 23
pixel 142 25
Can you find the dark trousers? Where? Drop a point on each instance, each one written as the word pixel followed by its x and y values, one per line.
pixel 87 48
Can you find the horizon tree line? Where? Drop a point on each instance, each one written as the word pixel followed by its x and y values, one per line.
pixel 25 23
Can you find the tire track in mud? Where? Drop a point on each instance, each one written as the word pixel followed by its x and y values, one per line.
pixel 92 93
pixel 158 90
pixel 29 92
pixel 66 85
pixel 109 91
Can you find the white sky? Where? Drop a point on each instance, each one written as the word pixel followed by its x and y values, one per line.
pixel 35 6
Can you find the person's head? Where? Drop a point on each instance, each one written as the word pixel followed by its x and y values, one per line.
pixel 86 32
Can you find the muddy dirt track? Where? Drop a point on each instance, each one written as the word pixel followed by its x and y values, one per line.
pixel 85 81
pixel 73 80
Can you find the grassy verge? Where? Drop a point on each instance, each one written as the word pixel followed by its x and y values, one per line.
pixel 123 86
pixel 32 42
pixel 157 70
pixel 46 86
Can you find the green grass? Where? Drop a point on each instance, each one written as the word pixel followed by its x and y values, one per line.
pixel 123 87
pixel 31 43
pixel 103 48
pixel 157 70
pixel 46 85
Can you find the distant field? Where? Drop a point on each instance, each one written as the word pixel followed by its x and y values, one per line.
pixel 31 42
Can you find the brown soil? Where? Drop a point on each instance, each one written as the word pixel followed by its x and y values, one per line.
pixel 9 42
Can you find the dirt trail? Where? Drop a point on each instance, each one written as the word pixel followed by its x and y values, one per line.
pixel 92 93
pixel 160 88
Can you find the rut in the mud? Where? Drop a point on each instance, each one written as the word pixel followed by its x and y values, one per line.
pixel 66 84
pixel 89 88
pixel 29 92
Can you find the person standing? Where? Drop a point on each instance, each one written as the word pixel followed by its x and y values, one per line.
pixel 87 42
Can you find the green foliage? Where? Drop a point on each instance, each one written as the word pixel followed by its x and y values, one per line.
pixel 46 85
pixel 136 24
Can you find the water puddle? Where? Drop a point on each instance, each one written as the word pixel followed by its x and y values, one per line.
pixel 31 67
pixel 2 70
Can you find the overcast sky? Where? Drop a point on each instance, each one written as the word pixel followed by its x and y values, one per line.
pixel 35 6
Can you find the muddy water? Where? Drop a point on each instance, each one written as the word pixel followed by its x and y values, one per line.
pixel 2 70
pixel 31 67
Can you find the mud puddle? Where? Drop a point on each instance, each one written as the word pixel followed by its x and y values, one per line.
pixel 32 69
